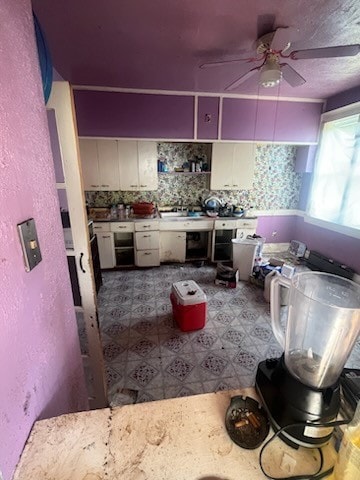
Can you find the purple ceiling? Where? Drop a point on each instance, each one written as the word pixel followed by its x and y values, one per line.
pixel 160 44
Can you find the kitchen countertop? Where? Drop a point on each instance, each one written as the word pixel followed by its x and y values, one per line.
pixel 157 216
pixel 180 438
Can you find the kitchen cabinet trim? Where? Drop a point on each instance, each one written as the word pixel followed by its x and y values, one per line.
pixel 199 94
pixel 196 108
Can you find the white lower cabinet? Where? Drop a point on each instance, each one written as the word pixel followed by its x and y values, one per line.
pixel 106 249
pixel 172 247
pixel 147 244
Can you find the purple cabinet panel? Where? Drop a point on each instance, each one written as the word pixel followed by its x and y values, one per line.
pixel 269 120
pixel 208 118
pixel 297 122
pixel 134 115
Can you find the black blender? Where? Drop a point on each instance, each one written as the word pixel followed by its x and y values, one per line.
pixel 302 386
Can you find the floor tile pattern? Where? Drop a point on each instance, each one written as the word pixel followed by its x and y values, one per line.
pixel 145 351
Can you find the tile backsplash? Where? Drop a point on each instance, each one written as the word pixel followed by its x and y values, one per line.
pixel 276 184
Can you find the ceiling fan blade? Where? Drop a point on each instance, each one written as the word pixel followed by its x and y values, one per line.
pixel 291 76
pixel 227 62
pixel 243 78
pixel 326 52
pixel 282 37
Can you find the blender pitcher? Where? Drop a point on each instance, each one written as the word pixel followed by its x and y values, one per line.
pixel 323 323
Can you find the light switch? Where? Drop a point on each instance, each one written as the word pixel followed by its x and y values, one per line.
pixel 29 243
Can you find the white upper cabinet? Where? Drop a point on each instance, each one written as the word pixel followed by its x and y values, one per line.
pixel 90 164
pixel 108 164
pixel 147 158
pixel 100 164
pixel 233 166
pixel 138 165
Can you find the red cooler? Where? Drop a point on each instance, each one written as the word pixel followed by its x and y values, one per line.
pixel 189 305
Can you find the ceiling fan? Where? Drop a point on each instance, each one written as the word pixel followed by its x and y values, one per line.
pixel 271 49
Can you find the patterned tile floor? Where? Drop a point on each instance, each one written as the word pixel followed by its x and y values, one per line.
pixel 144 349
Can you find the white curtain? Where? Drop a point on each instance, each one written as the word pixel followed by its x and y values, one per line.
pixel 335 192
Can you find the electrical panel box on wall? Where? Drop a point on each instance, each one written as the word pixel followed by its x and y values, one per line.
pixel 30 244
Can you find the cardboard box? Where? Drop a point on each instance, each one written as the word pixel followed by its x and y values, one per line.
pixel 227 281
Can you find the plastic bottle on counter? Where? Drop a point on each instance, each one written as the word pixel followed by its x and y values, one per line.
pixel 113 211
pixel 347 465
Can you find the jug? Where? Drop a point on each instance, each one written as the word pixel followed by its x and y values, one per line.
pixel 323 323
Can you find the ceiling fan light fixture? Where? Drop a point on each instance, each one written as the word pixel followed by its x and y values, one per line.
pixel 270 74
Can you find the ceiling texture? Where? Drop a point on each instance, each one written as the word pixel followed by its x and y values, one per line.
pixel 160 44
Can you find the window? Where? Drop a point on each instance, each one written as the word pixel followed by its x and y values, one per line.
pixel 335 191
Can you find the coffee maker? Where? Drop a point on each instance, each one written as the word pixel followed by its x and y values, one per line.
pixel 301 388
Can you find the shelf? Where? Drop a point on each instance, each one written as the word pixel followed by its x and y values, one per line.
pixel 125 248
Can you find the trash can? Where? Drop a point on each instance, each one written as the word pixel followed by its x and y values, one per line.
pixel 189 305
pixel 244 252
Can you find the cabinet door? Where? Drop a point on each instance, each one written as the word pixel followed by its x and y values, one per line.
pixel 89 164
pixel 147 240
pixel 147 258
pixel 108 165
pixel 172 247
pixel 222 166
pixel 147 165
pixel 106 250
pixel 243 166
pixel 128 165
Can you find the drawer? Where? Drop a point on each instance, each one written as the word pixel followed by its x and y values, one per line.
pixel 147 240
pixel 122 226
pixel 225 224
pixel 187 226
pixel 102 227
pixel 148 258
pixel 146 226
pixel 246 224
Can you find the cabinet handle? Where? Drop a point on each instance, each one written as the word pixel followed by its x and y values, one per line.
pixel 105 185
pixel 96 228
pixel 226 185
pixel 133 185
pixel 235 185
pixel 105 236
pixel 146 226
pixel 146 236
pixel 94 185
pixel 143 185
pixel 121 226
pixel 147 253
pixel 81 264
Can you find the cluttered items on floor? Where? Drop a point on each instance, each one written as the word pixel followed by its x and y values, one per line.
pixel 226 276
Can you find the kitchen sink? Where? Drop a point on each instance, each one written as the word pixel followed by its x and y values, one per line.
pixel 173 214
pixel 181 215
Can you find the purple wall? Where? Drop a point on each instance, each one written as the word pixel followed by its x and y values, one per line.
pixel 335 245
pixel 115 114
pixel 343 98
pixel 283 225
pixel 40 364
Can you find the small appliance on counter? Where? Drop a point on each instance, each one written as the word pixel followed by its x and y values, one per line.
pixel 302 387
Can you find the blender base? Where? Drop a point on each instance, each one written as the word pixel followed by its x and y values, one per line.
pixel 288 401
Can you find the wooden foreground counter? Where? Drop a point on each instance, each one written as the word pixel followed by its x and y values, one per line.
pixel 181 438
